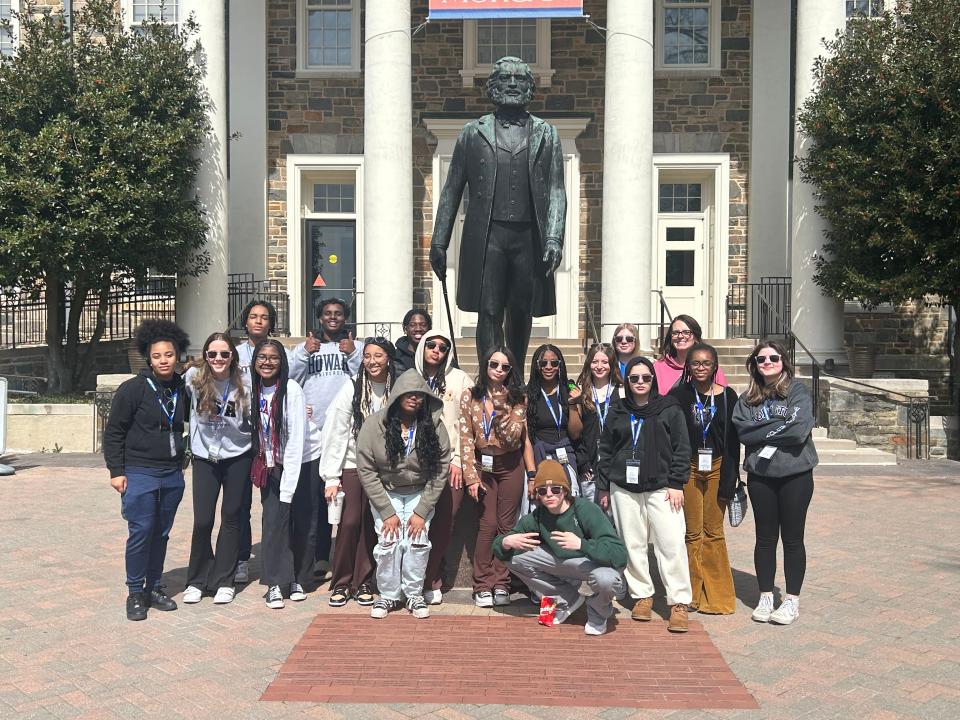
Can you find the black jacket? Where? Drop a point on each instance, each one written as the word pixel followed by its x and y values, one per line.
pixel 588 446
pixel 406 356
pixel 616 447
pixel 138 432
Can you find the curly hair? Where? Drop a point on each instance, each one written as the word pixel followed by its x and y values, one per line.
pixel 427 442
pixel 150 332
pixel 271 313
pixel 278 426
pixel 363 388
pixel 535 385
pixel 515 390
pixel 208 398
pixel 412 313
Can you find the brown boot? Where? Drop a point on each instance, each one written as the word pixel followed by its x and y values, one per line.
pixel 678 619
pixel 641 611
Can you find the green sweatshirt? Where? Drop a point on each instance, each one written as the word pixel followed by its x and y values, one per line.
pixel 600 542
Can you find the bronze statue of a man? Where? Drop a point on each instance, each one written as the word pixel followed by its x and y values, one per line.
pixel 516 209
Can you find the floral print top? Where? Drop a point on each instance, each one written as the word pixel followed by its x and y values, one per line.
pixel 506 435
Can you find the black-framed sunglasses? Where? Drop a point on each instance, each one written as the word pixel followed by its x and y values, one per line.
pixel 494 365
pixel 548 363
pixel 224 354
pixel 433 344
pixel 549 490
pixel 624 338
pixel 761 359
pixel 645 378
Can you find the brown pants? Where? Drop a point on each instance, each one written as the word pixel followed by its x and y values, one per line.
pixel 498 514
pixel 710 576
pixel 353 556
pixel 441 530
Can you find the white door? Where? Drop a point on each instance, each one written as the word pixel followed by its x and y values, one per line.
pixel 681 266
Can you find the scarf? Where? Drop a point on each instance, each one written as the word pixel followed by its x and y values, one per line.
pixel 650 413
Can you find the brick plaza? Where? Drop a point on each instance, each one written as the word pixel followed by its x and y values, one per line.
pixel 877 638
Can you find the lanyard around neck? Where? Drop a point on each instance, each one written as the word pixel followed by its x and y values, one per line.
pixel 485 421
pixel 602 414
pixel 411 438
pixel 168 414
pixel 636 425
pixel 701 412
pixel 557 416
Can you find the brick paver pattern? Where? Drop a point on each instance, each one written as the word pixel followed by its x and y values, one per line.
pixel 878 636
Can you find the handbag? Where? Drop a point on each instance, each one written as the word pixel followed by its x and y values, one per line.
pixel 259 472
pixel 737 507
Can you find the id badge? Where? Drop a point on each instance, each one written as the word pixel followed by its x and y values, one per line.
pixel 214 455
pixel 486 463
pixel 173 445
pixel 768 452
pixel 269 459
pixel 704 460
pixel 562 456
pixel 633 472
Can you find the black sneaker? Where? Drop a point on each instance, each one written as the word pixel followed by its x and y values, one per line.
pixel 136 606
pixel 158 599
pixel 364 595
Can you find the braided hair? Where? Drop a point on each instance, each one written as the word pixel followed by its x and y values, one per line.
pixel 700 347
pixel 427 442
pixel 535 385
pixel 278 427
pixel 363 386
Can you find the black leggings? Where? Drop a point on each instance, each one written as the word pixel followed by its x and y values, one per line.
pixel 780 511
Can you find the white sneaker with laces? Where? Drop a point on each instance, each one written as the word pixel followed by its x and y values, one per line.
pixel 224 595
pixel 433 597
pixel 418 608
pixel 483 599
pixel 192 595
pixel 501 597
pixel 382 607
pixel 787 613
pixel 274 598
pixel 242 573
pixel 764 608
pixel 296 592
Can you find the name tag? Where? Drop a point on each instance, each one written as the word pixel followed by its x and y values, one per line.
pixel 214 454
pixel 486 463
pixel 704 460
pixel 269 459
pixel 633 472
pixel 767 452
pixel 561 454
pixel 173 445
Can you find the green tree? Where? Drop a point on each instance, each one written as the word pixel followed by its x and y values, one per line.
pixel 100 129
pixel 885 121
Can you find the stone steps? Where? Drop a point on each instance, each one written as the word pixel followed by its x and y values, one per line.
pixel 834 452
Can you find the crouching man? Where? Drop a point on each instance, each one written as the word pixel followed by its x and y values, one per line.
pixel 564 542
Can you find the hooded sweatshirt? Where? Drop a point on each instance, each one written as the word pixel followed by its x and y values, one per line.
pixel 228 431
pixel 378 475
pixel 339 446
pixel 668 372
pixel 455 382
pixel 783 424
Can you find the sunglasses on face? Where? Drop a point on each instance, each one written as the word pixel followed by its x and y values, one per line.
pixel 645 378
pixel 432 344
pixel 624 338
pixel 213 354
pixel 600 346
pixel 549 363
pixel 681 334
pixel 268 359
pixel 701 364
pixel 494 365
pixel 549 490
pixel 761 359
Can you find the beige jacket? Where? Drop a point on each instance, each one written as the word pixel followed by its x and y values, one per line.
pixel 455 382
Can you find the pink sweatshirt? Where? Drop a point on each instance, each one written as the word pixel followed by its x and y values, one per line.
pixel 668 372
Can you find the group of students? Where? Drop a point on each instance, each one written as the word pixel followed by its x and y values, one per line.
pixel 399 436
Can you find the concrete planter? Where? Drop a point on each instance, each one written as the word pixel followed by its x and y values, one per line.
pixel 41 427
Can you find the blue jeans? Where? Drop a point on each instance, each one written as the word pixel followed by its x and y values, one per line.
pixel 150 505
pixel 401 564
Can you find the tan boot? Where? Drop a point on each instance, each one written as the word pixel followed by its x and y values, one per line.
pixel 641 611
pixel 678 619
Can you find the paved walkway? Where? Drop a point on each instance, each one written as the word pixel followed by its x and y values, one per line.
pixel 878 637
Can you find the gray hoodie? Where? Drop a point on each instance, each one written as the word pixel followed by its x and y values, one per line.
pixel 321 375
pixel 783 424
pixel 373 466
pixel 455 382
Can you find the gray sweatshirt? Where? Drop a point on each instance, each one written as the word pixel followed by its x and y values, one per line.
pixel 321 375
pixel 227 432
pixel 783 424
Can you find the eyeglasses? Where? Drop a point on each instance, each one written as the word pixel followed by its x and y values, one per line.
pixel 549 490
pixel 645 378
pixel 268 359
pixel 681 334
pixel 761 359
pixel 431 344
pixel 701 363
pixel 549 363
pixel 494 365
pixel 212 354
pixel 624 338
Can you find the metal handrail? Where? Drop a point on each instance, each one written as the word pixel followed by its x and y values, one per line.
pixel 591 325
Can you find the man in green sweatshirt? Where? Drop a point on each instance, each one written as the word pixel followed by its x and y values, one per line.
pixel 564 542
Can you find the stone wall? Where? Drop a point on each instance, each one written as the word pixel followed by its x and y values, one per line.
pixel 111 357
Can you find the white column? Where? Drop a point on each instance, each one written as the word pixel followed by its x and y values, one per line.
pixel 628 163
pixel 388 162
pixel 202 301
pixel 817 319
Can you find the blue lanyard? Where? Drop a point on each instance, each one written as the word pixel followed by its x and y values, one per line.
pixel 168 414
pixel 557 419
pixel 411 434
pixel 602 414
pixel 432 382
pixel 266 410
pixel 487 423
pixel 223 402
pixel 636 425
pixel 705 426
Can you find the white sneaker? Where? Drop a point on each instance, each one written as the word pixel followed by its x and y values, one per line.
pixel 296 592
pixel 590 629
pixel 192 595
pixel 483 599
pixel 433 597
pixel 418 608
pixel 274 598
pixel 562 613
pixel 242 574
pixel 501 597
pixel 382 607
pixel 224 595
pixel 764 608
pixel 787 613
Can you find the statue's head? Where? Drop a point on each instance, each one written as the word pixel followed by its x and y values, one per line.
pixel 511 83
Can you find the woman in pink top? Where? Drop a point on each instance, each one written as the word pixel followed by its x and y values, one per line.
pixel 685 332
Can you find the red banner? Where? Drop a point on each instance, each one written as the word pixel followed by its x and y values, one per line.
pixel 485 9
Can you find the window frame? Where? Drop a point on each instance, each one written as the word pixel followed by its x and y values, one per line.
pixel 713 39
pixel 304 68
pixel 14 28
pixel 870 15
pixel 541 69
pixel 130 24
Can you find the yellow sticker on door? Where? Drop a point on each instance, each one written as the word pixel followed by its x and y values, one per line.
pixel 333 259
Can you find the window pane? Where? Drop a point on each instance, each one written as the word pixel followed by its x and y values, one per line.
pixel 154 9
pixel 680 268
pixel 866 8
pixel 680 197
pixel 6 37
pixel 680 234
pixel 499 38
pixel 330 39
pixel 686 35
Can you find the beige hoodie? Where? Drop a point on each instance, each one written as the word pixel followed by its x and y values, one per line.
pixel 455 382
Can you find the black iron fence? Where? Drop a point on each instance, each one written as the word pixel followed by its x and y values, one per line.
pixel 759 310
pixel 243 287
pixel 23 314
